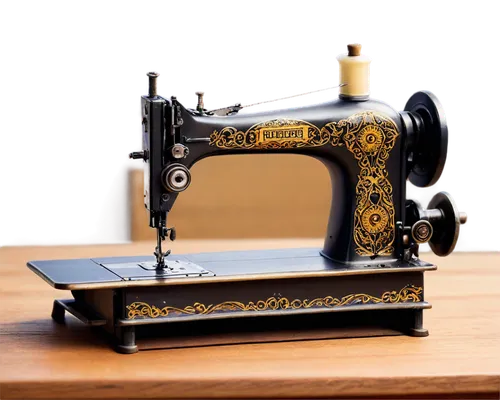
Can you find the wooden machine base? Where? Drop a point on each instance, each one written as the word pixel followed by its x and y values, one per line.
pixel 238 297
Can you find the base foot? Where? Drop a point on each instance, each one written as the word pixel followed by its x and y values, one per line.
pixel 58 312
pixel 125 340
pixel 418 332
pixel 123 349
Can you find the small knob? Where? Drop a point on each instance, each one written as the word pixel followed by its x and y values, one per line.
pixel 152 83
pixel 354 50
pixel 462 217
pixel 200 106
pixel 179 151
pixel 138 155
pixel 421 231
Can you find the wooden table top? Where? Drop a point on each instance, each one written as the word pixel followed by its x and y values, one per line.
pixel 40 359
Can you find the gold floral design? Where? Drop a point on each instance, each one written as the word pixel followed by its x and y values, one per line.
pixel 370 137
pixel 409 294
pixel 374 219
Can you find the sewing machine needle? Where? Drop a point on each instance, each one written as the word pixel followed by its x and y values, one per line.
pixel 160 255
pixel 158 251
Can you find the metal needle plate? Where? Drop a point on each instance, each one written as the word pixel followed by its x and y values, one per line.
pixel 147 270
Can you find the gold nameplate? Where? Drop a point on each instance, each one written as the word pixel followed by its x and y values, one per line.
pixel 273 134
pixel 280 134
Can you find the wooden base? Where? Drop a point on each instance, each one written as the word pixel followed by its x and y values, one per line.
pixel 240 297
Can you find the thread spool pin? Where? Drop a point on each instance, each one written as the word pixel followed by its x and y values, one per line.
pixel 354 50
pixel 152 83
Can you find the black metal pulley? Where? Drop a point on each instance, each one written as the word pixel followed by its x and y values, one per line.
pixel 430 142
pixel 439 225
pixel 446 227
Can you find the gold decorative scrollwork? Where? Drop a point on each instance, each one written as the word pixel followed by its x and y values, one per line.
pixel 374 219
pixel 273 134
pixel 370 137
pixel 409 294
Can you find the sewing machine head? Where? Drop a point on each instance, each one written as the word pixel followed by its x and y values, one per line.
pixel 369 148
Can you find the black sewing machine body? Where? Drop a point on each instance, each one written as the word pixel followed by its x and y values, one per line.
pixel 206 136
pixel 367 274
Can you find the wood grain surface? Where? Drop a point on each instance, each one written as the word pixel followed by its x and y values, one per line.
pixel 460 358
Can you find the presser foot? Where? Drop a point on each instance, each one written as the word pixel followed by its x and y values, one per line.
pixel 160 259
pixel 162 233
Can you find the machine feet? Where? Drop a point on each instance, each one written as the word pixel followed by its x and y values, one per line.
pixel 81 311
pixel 122 349
pixel 417 330
pixel 58 312
pixel 125 337
pixel 421 332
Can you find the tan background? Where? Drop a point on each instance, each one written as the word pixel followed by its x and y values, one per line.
pixel 251 196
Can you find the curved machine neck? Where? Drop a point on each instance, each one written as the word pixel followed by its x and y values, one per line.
pixel 360 143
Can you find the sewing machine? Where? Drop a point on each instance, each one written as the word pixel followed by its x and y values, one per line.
pixel 368 272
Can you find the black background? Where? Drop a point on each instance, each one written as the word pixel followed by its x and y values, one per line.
pixel 62 160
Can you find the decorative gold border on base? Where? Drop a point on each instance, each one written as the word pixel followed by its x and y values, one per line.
pixel 409 294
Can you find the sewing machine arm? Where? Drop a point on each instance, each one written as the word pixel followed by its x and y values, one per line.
pixel 369 149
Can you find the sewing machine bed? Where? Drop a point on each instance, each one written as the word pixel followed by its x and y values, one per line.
pixel 125 293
